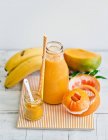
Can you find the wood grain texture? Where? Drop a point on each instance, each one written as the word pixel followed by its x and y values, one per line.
pixel 8 129
pixel 9 102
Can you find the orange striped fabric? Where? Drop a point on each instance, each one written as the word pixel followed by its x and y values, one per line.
pixel 55 116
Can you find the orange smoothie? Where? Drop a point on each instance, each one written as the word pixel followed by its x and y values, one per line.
pixel 56 78
pixel 33 110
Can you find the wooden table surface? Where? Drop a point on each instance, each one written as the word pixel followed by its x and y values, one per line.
pixel 9 102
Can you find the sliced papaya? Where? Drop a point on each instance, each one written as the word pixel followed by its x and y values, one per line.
pixel 82 60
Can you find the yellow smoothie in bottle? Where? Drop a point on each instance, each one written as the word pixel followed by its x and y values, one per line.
pixel 56 74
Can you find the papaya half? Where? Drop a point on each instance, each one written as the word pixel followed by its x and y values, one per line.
pixel 81 60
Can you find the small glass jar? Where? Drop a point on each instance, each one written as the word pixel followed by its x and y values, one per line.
pixel 33 110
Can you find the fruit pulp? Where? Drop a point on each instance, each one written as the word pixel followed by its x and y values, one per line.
pixel 56 80
pixel 33 110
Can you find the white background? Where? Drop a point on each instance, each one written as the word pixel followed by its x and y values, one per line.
pixel 75 23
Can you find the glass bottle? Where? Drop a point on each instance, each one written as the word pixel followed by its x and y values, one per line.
pixel 56 74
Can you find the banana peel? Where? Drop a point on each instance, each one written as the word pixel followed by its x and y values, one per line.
pixel 22 70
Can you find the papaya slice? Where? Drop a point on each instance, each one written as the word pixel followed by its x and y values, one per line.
pixel 94 99
pixel 81 60
pixel 76 101
pixel 84 79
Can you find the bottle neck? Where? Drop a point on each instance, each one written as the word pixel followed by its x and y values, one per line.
pixel 54 51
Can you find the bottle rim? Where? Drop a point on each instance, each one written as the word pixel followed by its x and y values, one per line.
pixel 56 44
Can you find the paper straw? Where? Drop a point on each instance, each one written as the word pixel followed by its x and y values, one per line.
pixel 41 81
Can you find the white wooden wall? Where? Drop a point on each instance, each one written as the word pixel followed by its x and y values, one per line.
pixel 75 23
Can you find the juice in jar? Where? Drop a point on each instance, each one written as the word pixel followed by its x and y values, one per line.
pixel 56 74
pixel 33 110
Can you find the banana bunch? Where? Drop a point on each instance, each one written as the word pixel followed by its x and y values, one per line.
pixel 22 64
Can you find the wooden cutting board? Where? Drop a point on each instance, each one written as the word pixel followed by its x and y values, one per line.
pixel 55 116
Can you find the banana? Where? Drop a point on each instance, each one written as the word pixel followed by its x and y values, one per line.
pixel 20 57
pixel 22 70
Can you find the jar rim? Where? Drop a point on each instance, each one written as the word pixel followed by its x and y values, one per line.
pixel 37 100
